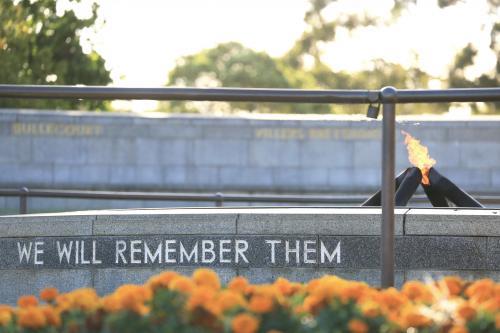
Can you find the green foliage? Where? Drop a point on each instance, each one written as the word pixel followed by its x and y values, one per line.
pixel 233 65
pixel 484 322
pixel 38 46
pixel 229 65
pixel 457 78
pixel 167 311
pixel 281 319
pixel 336 316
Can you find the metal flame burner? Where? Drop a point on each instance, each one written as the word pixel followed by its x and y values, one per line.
pixel 441 191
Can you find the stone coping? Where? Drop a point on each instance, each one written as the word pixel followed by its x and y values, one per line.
pixel 254 220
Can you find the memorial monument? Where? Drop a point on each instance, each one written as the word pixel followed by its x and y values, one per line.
pixel 105 249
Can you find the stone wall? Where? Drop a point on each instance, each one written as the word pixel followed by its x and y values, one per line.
pixel 85 150
pixel 107 248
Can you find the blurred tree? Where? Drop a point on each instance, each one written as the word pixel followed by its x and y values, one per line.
pixel 465 59
pixel 228 65
pixel 321 31
pixel 38 45
pixel 303 66
pixel 306 55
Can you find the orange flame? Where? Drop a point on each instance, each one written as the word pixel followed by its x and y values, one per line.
pixel 419 156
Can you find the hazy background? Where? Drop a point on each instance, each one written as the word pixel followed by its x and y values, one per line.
pixel 308 44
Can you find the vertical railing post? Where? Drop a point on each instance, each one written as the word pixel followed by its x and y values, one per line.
pixel 389 97
pixel 219 199
pixel 23 200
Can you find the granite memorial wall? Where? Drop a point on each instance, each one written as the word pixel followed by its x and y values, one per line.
pixel 280 154
pixel 103 249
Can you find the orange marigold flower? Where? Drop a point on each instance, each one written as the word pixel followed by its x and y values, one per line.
pixel 285 287
pixel 49 294
pixel 31 317
pixel 182 284
pixel 63 302
pixel 454 284
pixel 51 316
pixel 229 299
pixel 416 291
pixel 390 299
pixel 239 283
pixel 492 304
pixel 311 285
pixel 84 299
pixel 370 309
pixel 206 277
pixel 458 329
pixel 132 297
pixel 357 326
pixel 5 314
pixel 497 321
pixel 162 280
pixel 27 301
pixel 313 303
pixel 245 323
pixel 352 291
pixel 481 290
pixel 327 286
pixel 415 319
pixel 200 297
pixel 111 303
pixel 466 312
pixel 261 303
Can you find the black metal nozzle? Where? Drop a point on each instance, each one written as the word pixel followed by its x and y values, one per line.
pixel 376 199
pixel 407 186
pixel 452 192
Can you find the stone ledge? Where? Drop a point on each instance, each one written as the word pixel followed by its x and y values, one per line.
pixel 312 221
pixel 166 221
pixel 452 222
pixel 77 223
pixel 254 220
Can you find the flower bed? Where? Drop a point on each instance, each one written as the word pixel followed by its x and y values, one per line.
pixel 170 302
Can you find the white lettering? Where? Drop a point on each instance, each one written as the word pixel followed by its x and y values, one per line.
pixel 149 256
pixel 82 251
pixel 273 250
pixel 77 252
pixel 23 252
pixel 133 250
pixel 223 250
pixel 120 247
pixel 241 247
pixel 194 253
pixel 37 252
pixel 65 251
pixel 288 250
pixel 330 256
pixel 94 254
pixel 207 246
pixel 308 250
pixel 168 250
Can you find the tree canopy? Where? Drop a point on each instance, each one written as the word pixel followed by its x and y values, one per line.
pixel 227 65
pixel 303 67
pixel 41 45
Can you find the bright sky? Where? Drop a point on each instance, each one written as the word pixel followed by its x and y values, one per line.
pixel 142 39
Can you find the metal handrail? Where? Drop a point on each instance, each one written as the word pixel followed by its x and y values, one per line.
pixel 387 96
pixel 252 94
pixel 218 198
